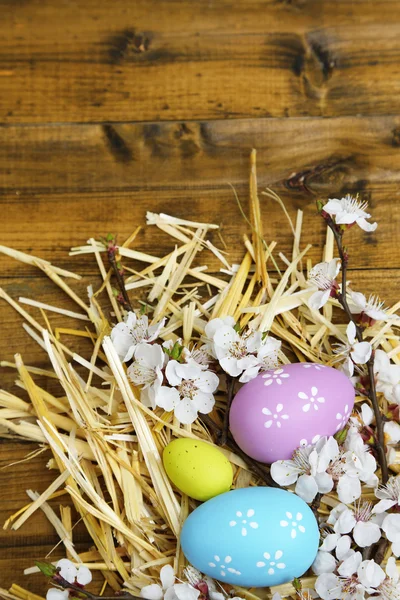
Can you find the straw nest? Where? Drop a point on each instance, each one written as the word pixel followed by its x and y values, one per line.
pixel 106 444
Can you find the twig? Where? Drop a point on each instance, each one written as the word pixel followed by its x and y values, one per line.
pixel 379 438
pixel 78 590
pixel 111 254
pixel 230 387
pixel 316 504
pixel 258 468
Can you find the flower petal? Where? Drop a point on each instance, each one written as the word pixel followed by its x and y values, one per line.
pixel 318 299
pixel 361 352
pixel 231 366
pixel 351 332
pixel 207 381
pixel 186 411
pixel 348 489
pixel 152 592
pixel 171 373
pixel 366 533
pixel 284 472
pixel 324 563
pixel 204 403
pixel 84 575
pixel 328 586
pixel 67 570
pixel 343 547
pixel 350 565
pixel 167 398
pixel 306 488
pixel 184 591
pixel 370 574
pixel 333 206
pixel 367 414
pixel 167 576
pixel 56 594
pixel 345 522
pixel 365 225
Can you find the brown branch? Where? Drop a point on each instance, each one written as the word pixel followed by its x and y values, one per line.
pixel 78 590
pixel 230 387
pixel 111 254
pixel 379 438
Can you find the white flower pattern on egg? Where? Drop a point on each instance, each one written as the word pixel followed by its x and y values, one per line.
pixel 272 564
pixel 312 399
pixel 343 418
pixel 277 376
pixel 222 565
pixel 313 366
pixel 293 524
pixel 274 416
pixel 244 522
pixel 314 440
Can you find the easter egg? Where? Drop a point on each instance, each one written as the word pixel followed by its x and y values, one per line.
pixel 197 469
pixel 295 405
pixel 252 537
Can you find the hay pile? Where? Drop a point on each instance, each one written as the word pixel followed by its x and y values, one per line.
pixel 106 444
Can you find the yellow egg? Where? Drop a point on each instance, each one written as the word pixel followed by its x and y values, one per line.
pixel 197 469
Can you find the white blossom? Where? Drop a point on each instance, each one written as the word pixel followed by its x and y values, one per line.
pixel 372 307
pixel 325 562
pixel 371 575
pixel 348 211
pixel 73 574
pixel 361 522
pixel 234 352
pixel 389 495
pixel 155 591
pixel 391 526
pixel 191 391
pixel 306 470
pixel 76 575
pixel 126 336
pixel 146 370
pixel 323 277
pixel 353 352
pixel 387 377
pixel 57 594
pixel 360 463
pixel 320 467
pixel 169 590
pixel 389 588
pixel 267 357
pixel 198 356
pixel 345 585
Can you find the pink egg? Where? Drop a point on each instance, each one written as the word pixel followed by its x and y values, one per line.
pixel 288 407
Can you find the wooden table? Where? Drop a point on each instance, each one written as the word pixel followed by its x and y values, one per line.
pixel 110 109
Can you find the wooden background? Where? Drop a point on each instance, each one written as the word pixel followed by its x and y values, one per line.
pixel 109 109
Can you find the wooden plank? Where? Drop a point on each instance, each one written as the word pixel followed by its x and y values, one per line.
pixel 23 557
pixel 155 156
pixel 157 60
pixel 69 183
pixel 48 226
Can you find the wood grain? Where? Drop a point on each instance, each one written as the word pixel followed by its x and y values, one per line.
pixel 342 153
pixel 158 60
pixel 108 110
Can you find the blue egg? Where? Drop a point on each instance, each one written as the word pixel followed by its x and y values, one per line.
pixel 252 537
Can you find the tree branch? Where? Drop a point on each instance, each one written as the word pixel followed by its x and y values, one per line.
pixel 78 591
pixel 379 438
pixel 230 388
pixel 111 254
